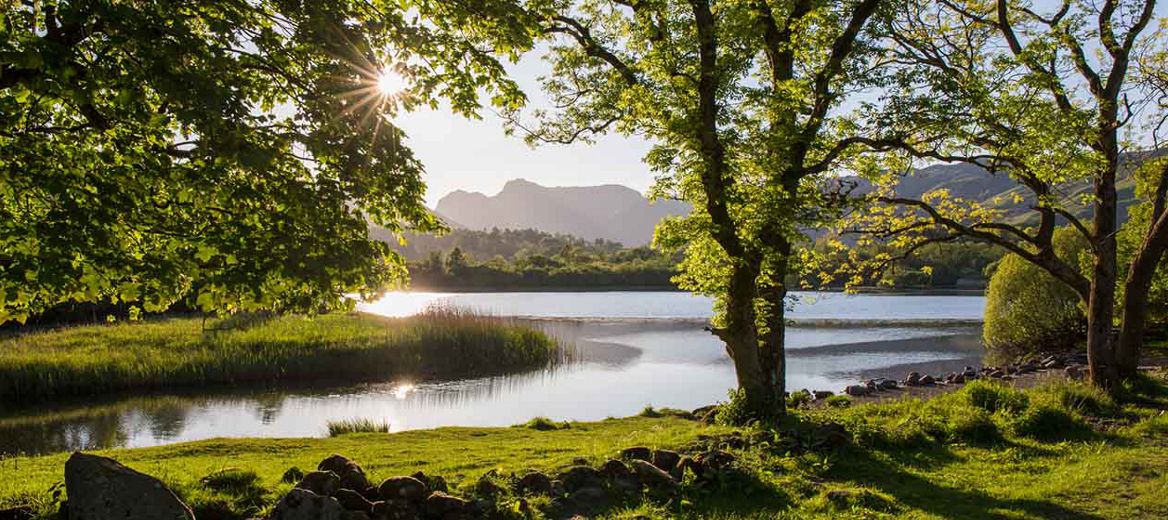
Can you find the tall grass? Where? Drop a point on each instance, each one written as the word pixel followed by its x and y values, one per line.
pixel 348 426
pixel 93 359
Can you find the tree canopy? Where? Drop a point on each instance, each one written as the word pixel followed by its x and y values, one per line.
pixel 229 153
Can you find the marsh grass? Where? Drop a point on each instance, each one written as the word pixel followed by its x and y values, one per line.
pixel 348 426
pixel 176 352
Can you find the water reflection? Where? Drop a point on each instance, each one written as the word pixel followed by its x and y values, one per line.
pixel 618 367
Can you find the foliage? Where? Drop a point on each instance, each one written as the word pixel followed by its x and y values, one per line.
pixel 227 153
pixel 1028 310
pixel 741 101
pixel 347 426
pixel 570 266
pixel 95 359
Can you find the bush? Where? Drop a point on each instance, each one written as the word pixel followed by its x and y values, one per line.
pixel 838 401
pixel 734 412
pixel 995 397
pixel 1028 310
pixel 544 424
pixel 799 399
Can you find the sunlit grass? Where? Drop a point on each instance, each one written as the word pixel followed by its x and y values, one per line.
pixel 166 353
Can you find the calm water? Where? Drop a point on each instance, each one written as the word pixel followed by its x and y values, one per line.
pixel 635 349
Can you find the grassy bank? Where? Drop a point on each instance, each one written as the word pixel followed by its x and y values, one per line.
pixel 1056 451
pixel 87 360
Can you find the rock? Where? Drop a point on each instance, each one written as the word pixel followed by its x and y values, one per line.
pixel 912 379
pixel 535 483
pixel 394 510
pixel 928 380
pixel 439 505
pixel 615 468
pixel 292 476
pixel 857 390
pixel 434 483
pixel 579 461
pixel 652 476
pixel 351 475
pixel 678 473
pixel 323 483
pixel 886 384
pixel 101 488
pixel 997 374
pixel 636 453
pixel 710 463
pixel 402 488
pixel 958 379
pixel 371 494
pixel 698 413
pixel 665 459
pixel 1073 372
pixel 822 394
pixel 587 501
pixel 578 477
pixel 352 500
pixel 302 504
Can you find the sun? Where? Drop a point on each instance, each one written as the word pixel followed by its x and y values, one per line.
pixel 390 83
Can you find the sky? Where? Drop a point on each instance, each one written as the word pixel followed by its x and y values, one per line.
pixel 475 155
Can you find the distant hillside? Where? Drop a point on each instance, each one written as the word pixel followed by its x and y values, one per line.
pixel 970 182
pixel 609 212
pixel 510 244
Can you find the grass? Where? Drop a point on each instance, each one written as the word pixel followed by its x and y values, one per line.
pixel 349 426
pixel 175 352
pixel 949 457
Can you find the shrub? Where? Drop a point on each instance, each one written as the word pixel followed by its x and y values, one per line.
pixel 734 412
pixel 799 399
pixel 995 397
pixel 1028 310
pixel 838 401
pixel 231 480
pixel 348 426
pixel 544 424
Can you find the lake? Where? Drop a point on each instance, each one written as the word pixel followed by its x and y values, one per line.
pixel 632 349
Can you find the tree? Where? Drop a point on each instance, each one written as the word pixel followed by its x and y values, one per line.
pixel 1021 93
pixel 740 100
pixel 1027 309
pixel 227 152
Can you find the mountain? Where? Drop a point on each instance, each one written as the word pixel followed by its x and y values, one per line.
pixel 610 212
pixel 974 183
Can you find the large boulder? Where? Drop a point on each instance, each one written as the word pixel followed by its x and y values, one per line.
pixel 665 459
pixel 403 488
pixel 653 477
pixel 351 474
pixel 440 506
pixel 323 483
pixel 302 504
pixel 100 488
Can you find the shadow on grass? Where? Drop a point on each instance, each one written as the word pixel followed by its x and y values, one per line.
pixel 860 467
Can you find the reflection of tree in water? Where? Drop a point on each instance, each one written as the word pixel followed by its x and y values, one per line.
pixel 66 432
pixel 268 407
pixel 167 417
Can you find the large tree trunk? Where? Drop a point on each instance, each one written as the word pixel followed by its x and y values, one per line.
pixel 753 359
pixel 1135 317
pixel 1101 301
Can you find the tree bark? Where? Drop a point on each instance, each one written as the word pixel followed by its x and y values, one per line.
pixel 1101 301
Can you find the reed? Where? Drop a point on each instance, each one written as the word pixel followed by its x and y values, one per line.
pixel 177 352
pixel 348 426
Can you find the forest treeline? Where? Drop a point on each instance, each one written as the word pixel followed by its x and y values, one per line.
pixel 529 258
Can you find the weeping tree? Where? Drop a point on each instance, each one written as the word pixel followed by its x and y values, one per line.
pixel 1045 97
pixel 741 101
pixel 229 153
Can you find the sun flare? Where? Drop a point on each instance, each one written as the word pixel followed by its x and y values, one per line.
pixel 390 83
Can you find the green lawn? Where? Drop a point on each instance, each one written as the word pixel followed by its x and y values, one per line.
pixel 986 451
pixel 88 360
